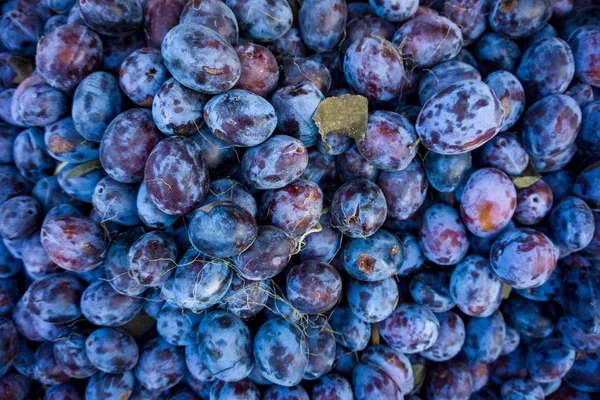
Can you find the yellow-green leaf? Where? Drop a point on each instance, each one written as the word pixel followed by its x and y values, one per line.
pixel 346 115
pixel 527 178
pixel 83 169
pixel 419 372
pixel 506 289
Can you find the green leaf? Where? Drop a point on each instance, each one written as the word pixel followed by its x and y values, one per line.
pixel 527 178
pixel 346 115
pixel 419 372
pixel 83 169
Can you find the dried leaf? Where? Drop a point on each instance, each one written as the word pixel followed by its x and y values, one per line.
pixel 375 334
pixel 527 178
pixel 22 66
pixel 506 289
pixel 83 169
pixel 346 115
pixel 419 372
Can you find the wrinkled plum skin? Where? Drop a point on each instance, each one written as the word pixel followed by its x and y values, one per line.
pixel 171 192
pixel 443 237
pixel 200 58
pixel 225 346
pixel 484 338
pixel 103 306
pixel 372 301
pixel 161 365
pixel 583 43
pixel 322 23
pixel 497 52
pixel 41 298
pixel 506 153
pixel 160 16
pixel 363 63
pixel 313 287
pixel 472 105
pixel 450 340
pixel 213 14
pixel 511 94
pixel 67 55
pixel 74 243
pixel 262 20
pixel 388 143
pixel 518 19
pixel 443 75
pixel 222 229
pixel 97 101
pixel 572 224
pixel 410 329
pixel 142 74
pixel 296 70
pixel 294 108
pixel 351 332
pixel 295 208
pixel 449 380
pixel 268 255
pixel 358 208
pixel 240 118
pixel 19 217
pixel 112 350
pixel 152 258
pixel 546 67
pixel 275 163
pixel 19 31
pixel 259 69
pixel 280 352
pixel 523 258
pixel 351 165
pixel 447 172
pixel 469 15
pixel 432 290
pixel 427 40
pixel 64 143
pixel 488 202
pixel 112 17
pixel 533 203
